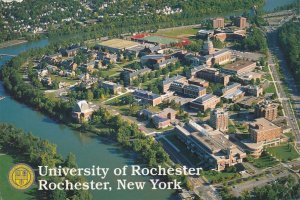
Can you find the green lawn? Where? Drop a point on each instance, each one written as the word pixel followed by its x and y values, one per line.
pixel 63 79
pixel 263 162
pixel 51 96
pixel 290 135
pixel 117 100
pixel 110 72
pixel 177 71
pixel 6 190
pixel 268 77
pixel 178 32
pixel 271 89
pixel 217 177
pixel 284 152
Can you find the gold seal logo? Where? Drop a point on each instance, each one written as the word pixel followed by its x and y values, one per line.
pixel 21 176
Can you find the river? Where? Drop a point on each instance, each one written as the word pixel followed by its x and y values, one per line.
pixel 89 149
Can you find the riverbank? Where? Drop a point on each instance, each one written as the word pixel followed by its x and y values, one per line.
pixel 12 43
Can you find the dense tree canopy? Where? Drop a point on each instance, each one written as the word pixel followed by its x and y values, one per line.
pixel 289 37
pixel 70 17
pixel 256 41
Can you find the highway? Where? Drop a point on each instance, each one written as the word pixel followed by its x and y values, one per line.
pixel 276 55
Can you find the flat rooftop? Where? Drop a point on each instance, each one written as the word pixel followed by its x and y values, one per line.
pixel 215 140
pixel 263 124
pixel 119 44
pixel 238 65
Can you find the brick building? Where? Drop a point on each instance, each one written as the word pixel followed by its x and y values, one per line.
pixel 187 90
pixel 208 101
pixel 266 110
pixel 262 130
pixel 211 146
pixel 161 119
pixel 218 23
pixel 147 97
pixel 241 22
pixel 212 74
pixel 129 75
pixel 219 119
pixel 167 83
pixel 239 67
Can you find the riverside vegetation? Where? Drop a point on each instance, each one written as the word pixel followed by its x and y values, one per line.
pixel 37 152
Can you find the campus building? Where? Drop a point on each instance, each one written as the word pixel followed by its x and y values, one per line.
pixel 239 67
pixel 129 75
pixel 208 101
pixel 82 111
pixel 147 97
pixel 114 88
pixel 266 110
pixel 162 119
pixel 157 61
pixel 212 74
pixel 219 119
pixel 218 23
pixel 262 130
pixel 241 22
pixel 212 146
pixel 167 82
pixel 232 92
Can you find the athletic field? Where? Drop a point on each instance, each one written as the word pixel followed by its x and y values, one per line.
pixel 161 40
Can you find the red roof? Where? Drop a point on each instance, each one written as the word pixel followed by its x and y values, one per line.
pixel 139 36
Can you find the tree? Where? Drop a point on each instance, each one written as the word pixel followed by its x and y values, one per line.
pixel 90 95
pixel 71 161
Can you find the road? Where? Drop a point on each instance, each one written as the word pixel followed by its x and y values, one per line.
pixel 275 54
pixel 249 185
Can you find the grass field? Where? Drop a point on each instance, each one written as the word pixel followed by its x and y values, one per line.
pixel 63 79
pixel 284 152
pixel 6 190
pixel 271 89
pixel 217 177
pixel 110 72
pixel 161 40
pixel 264 161
pixel 178 32
pixel 268 77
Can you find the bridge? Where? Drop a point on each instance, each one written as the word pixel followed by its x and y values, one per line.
pixel 9 55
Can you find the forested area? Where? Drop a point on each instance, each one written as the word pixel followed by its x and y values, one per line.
pixel 289 38
pixel 69 16
pixel 194 12
pixel 37 152
pixel 287 188
pixel 256 41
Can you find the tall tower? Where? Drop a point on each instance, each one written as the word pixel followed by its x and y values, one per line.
pixel 242 22
pixel 219 119
pixel 218 23
pixel 266 110
pixel 208 47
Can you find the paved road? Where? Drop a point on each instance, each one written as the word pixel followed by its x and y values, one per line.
pixel 275 53
pixel 249 185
